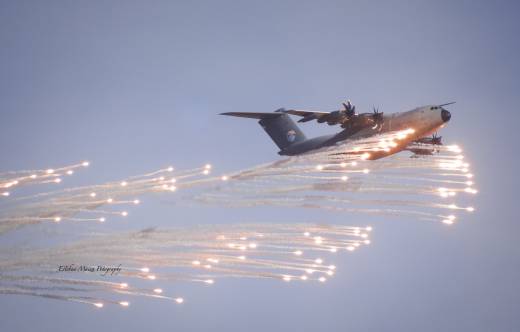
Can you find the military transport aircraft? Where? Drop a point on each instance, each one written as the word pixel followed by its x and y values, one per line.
pixel 424 121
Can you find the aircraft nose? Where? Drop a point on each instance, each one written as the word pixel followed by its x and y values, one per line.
pixel 445 115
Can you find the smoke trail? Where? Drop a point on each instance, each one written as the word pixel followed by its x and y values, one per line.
pixel 301 181
pixel 341 179
pixel 199 254
pixel 16 179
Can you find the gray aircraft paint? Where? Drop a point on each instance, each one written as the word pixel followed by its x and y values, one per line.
pixel 290 139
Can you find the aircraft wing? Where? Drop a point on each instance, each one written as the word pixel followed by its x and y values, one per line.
pixel 304 113
pixel 307 115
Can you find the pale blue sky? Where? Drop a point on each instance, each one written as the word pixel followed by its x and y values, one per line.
pixel 133 86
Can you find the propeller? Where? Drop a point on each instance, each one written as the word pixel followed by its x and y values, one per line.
pixel 349 109
pixel 340 116
pixel 436 140
pixel 377 117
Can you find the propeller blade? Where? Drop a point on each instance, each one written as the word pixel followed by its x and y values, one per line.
pixel 436 140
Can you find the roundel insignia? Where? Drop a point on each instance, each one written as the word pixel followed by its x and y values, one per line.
pixel 291 136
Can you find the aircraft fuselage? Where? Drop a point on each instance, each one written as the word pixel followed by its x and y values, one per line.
pixel 424 120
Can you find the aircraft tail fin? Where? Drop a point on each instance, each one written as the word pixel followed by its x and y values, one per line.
pixel 278 125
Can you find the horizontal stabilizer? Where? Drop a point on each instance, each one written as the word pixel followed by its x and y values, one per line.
pixel 253 115
pixel 278 125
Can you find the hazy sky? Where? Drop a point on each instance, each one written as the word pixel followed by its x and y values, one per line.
pixel 134 86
